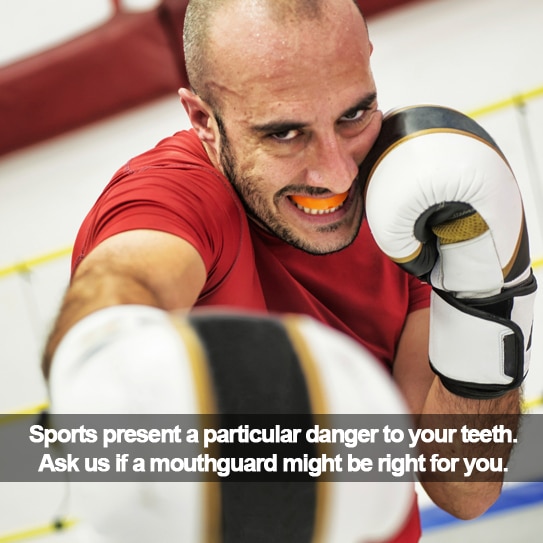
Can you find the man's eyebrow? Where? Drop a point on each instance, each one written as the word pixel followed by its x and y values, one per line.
pixel 366 103
pixel 276 127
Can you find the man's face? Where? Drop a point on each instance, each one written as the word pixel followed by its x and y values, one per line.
pixel 298 113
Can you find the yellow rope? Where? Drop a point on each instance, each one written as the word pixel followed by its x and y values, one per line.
pixel 30 410
pixel 528 405
pixel 64 524
pixel 520 98
pixel 38 531
pixel 26 265
pixel 39 408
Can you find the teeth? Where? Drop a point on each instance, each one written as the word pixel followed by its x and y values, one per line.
pixel 310 211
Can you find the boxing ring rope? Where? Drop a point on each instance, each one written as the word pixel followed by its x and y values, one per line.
pixel 38 531
pixel 513 101
pixel 23 267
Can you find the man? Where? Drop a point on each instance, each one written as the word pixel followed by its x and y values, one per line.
pixel 260 207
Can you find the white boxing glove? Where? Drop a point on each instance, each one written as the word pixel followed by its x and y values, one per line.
pixel 137 359
pixel 442 202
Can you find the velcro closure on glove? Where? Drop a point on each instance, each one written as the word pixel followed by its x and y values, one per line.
pixel 476 354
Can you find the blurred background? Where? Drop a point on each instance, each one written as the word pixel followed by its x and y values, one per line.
pixel 86 85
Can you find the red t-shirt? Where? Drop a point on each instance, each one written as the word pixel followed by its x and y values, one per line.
pixel 174 188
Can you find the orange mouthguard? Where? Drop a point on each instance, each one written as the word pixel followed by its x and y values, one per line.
pixel 320 203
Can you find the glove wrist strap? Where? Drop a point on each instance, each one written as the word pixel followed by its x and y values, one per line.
pixel 480 348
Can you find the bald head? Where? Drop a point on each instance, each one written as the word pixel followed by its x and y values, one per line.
pixel 205 30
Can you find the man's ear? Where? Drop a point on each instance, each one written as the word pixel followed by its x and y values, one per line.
pixel 200 116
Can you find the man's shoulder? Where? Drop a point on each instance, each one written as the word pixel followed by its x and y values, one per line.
pixel 177 164
pixel 182 150
pixel 172 188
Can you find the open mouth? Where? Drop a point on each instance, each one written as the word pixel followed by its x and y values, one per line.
pixel 319 206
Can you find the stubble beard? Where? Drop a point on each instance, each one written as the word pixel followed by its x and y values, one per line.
pixel 259 211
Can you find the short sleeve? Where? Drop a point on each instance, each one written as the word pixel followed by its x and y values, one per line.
pixel 193 202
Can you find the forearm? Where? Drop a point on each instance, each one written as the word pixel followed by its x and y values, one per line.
pixel 137 267
pixel 91 290
pixel 466 498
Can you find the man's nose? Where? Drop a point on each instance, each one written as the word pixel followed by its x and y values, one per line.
pixel 333 166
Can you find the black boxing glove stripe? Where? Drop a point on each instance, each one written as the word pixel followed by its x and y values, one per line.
pixel 255 380
pixel 408 120
pixel 411 121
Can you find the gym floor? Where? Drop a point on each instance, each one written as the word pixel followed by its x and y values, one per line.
pixel 481 57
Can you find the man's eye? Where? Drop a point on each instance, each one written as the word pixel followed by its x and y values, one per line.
pixel 286 135
pixel 354 115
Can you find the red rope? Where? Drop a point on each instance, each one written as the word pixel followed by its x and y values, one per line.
pixel 116 6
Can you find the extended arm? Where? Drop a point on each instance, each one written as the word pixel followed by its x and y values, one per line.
pixel 141 267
